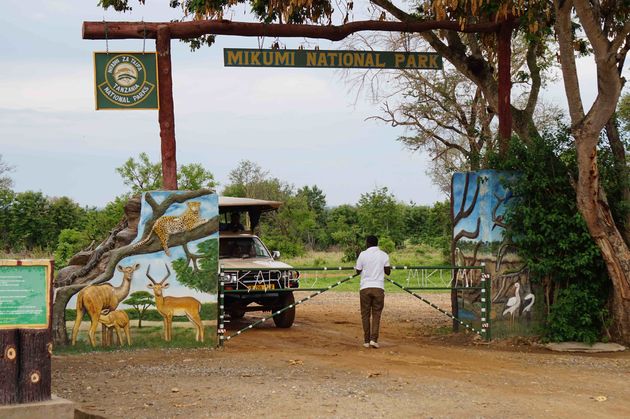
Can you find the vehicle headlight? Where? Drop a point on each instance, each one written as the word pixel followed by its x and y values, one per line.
pixel 231 277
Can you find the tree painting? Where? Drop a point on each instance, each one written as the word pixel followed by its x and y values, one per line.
pixel 479 201
pixel 140 301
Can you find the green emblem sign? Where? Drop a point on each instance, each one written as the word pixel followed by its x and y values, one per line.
pixel 25 294
pixel 238 57
pixel 126 80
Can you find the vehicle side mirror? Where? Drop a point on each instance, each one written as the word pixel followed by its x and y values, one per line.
pixel 275 254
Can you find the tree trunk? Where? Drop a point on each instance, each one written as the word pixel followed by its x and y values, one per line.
pixel 34 381
pixel 593 206
pixel 619 154
pixel 8 366
pixel 60 337
pixel 620 311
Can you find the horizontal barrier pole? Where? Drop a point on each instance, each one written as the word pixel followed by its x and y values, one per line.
pixel 323 289
pixel 273 290
pixel 442 288
pixel 347 268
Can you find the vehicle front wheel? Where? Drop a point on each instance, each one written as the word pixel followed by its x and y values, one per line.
pixel 285 319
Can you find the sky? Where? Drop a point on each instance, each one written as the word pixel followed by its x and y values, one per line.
pixel 303 125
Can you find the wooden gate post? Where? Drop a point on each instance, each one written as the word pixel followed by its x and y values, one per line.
pixel 505 85
pixel 166 113
pixel 8 366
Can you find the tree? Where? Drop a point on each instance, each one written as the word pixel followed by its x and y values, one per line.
pixel 292 227
pixel 30 221
pixel 70 242
pixel 140 301
pixel 380 214
pixel 623 111
pixel 250 180
pixel 606 28
pixel 143 175
pixel 64 213
pixel 443 112
pixel 316 203
pixel 99 222
pixel 198 271
pixel 7 197
pixel 5 181
pixel 343 228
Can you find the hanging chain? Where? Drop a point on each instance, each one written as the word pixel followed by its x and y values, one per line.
pixel 144 37
pixel 106 40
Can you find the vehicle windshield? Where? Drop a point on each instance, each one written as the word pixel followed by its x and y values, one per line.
pixel 242 247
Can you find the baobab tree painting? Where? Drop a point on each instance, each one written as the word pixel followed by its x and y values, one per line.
pixel 175 257
pixel 478 204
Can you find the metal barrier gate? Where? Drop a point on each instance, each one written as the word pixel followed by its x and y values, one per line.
pixel 427 278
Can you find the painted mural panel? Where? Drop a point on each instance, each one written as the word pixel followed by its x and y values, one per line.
pixel 479 201
pixel 168 281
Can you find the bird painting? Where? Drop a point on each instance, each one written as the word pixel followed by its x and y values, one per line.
pixel 529 306
pixel 514 303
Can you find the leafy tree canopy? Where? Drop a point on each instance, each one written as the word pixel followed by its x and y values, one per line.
pixel 143 175
pixel 5 181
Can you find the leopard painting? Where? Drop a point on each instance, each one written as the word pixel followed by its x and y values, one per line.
pixel 167 225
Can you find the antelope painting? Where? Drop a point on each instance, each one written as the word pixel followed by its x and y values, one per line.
pixel 175 306
pixel 96 298
pixel 118 320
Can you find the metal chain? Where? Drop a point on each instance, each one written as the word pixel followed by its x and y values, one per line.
pixel 144 37
pixel 106 40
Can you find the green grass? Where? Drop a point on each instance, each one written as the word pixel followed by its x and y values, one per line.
pixel 149 337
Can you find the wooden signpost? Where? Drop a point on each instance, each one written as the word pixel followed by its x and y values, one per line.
pixel 25 330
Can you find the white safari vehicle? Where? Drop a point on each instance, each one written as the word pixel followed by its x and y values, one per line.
pixel 249 266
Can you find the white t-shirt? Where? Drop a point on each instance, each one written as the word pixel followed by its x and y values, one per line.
pixel 371 263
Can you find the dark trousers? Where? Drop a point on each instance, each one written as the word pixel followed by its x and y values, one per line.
pixel 372 303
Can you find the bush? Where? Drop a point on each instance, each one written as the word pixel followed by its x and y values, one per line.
pixel 578 314
pixel 386 245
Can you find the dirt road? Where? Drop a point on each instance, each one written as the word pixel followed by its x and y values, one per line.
pixel 318 369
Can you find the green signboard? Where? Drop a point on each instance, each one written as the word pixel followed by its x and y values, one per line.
pixel 24 294
pixel 126 80
pixel 238 57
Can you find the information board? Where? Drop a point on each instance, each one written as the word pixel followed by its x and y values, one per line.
pixel 25 294
pixel 126 80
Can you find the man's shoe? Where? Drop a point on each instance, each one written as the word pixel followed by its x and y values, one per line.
pixel 366 345
pixel 374 344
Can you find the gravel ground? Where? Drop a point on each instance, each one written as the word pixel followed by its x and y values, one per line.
pixel 319 369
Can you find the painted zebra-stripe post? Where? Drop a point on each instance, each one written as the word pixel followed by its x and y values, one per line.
pixel 466 325
pixel 264 319
pixel 221 315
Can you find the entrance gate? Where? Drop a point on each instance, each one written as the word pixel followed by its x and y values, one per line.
pixel 454 279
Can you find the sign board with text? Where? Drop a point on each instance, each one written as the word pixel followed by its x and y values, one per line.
pixel 241 57
pixel 126 80
pixel 25 294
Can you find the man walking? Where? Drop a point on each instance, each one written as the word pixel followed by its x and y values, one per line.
pixel 373 265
